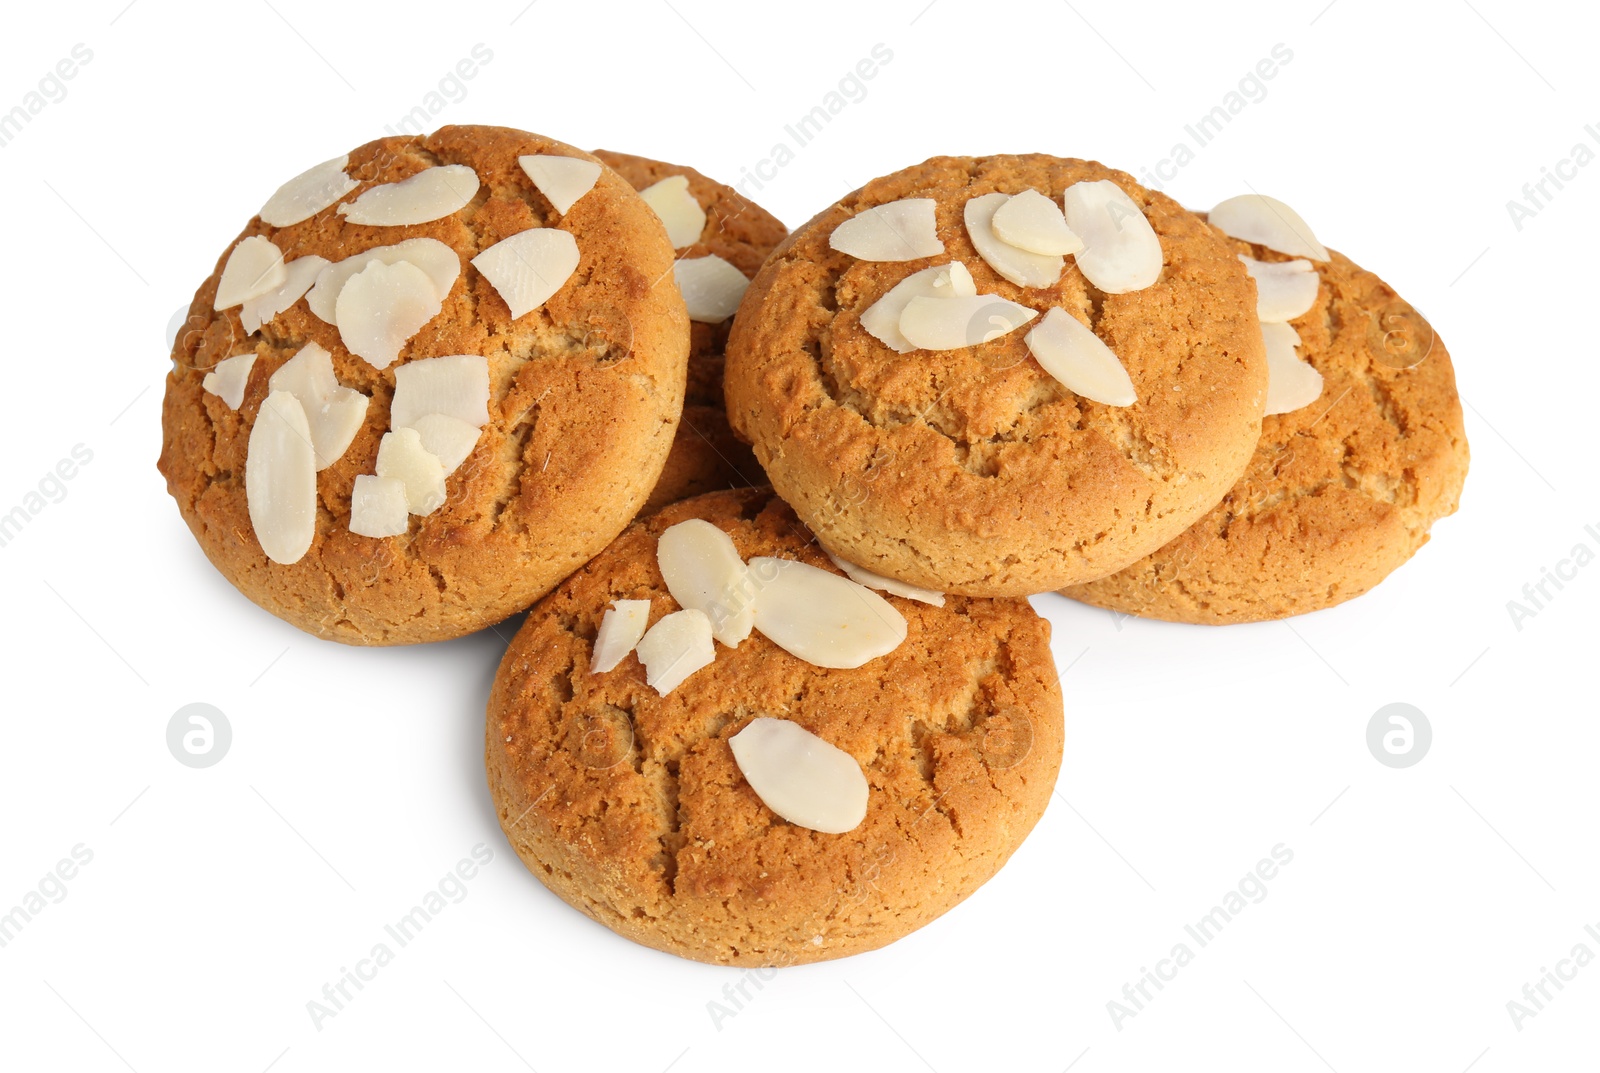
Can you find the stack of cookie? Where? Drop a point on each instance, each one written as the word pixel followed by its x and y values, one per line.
pixel 776 503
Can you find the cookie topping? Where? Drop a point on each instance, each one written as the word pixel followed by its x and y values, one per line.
pixel 1017 265
pixel 1121 251
pixel 678 209
pixel 1268 222
pixel 1077 357
pixel 711 287
pixel 674 648
pixel 704 572
pixel 893 587
pixel 456 385
pixel 402 456
pixel 300 274
pixel 530 266
pixel 378 506
pixel 227 379
pixel 382 307
pixel 447 438
pixel 429 254
pixel 1284 289
pixel 333 412
pixel 561 179
pixel 882 318
pixel 807 781
pixel 430 194
pixel 254 268
pixel 903 230
pixel 1030 221
pixel 821 617
pixel 620 630
pixel 953 323
pixel 1291 381
pixel 308 193
pixel 280 479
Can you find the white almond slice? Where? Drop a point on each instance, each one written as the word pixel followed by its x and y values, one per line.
pixel 382 307
pixel 309 193
pixel 892 586
pixel 1077 357
pixel 333 411
pixel 620 630
pixel 821 617
pixel 254 268
pixel 953 323
pixel 703 571
pixel 530 266
pixel 674 648
pixel 300 274
pixel 1017 265
pixel 671 200
pixel 429 254
pixel 711 287
pixel 378 506
pixel 903 230
pixel 1267 222
pixel 449 439
pixel 1284 289
pixel 228 378
pixel 882 318
pixel 561 179
pixel 1121 251
pixel 810 782
pixel 280 479
pixel 456 385
pixel 402 456
pixel 430 194
pixel 1030 221
pixel 1291 381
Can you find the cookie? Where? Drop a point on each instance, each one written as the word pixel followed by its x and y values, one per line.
pixel 1340 492
pixel 522 451
pixel 706 455
pixel 972 469
pixel 632 807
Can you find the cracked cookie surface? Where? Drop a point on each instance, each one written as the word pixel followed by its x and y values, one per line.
pixel 630 807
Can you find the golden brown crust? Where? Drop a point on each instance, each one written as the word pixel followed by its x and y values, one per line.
pixel 586 393
pixel 706 455
pixel 630 806
pixel 974 471
pixel 1340 492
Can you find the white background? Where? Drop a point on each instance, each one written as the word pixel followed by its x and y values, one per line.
pixel 220 901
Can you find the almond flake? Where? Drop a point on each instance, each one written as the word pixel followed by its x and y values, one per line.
pixel 309 193
pixel 333 411
pixel 953 323
pixel 430 194
pixel 530 266
pixel 253 268
pixel 1267 222
pixel 1030 221
pixel 674 648
pixel 882 318
pixel 892 586
pixel 449 439
pixel 402 456
pixel 1291 381
pixel 620 631
pixel 820 617
pixel 1284 289
pixel 456 385
pixel 228 378
pixel 382 307
pixel 1121 251
pixel 429 254
pixel 711 287
pixel 561 179
pixel 300 274
pixel 671 200
pixel 703 571
pixel 1080 360
pixel 378 506
pixel 280 479
pixel 810 782
pixel 903 230
pixel 1017 265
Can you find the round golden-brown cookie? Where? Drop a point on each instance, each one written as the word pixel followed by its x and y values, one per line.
pixel 706 455
pixel 630 805
pixel 973 470
pixel 1340 492
pixel 585 393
